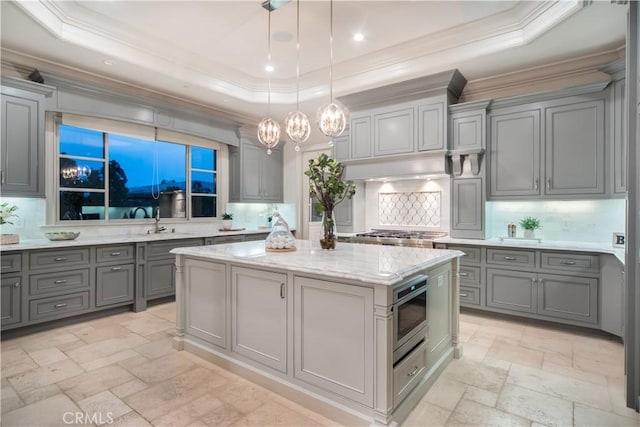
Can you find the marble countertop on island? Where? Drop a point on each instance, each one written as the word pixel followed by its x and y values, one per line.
pixel 87 240
pixel 375 264
pixel 556 245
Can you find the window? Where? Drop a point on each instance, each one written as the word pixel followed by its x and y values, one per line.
pixel 109 176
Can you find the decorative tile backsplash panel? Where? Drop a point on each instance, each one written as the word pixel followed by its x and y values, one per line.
pixel 415 208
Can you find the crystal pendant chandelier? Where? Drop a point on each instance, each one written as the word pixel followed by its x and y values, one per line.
pixel 331 119
pixel 297 125
pixel 269 129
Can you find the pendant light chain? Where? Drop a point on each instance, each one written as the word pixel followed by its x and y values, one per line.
pixel 269 129
pixel 330 50
pixel 298 55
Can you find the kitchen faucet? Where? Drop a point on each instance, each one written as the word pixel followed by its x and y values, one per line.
pixel 132 214
pixel 158 228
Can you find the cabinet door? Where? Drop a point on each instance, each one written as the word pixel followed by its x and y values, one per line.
pixel 339 362
pixel 341 147
pixel 272 176
pixel 343 213
pixel 515 154
pixel 620 146
pixel 10 300
pixel 161 281
pixel 438 306
pixel 235 174
pixel 468 130
pixel 512 290
pixel 206 295
pixel 575 149
pixel 259 316
pixel 21 149
pixel 431 127
pixel 360 137
pixel 467 210
pixel 394 132
pixel 568 297
pixel 251 172
pixel 114 284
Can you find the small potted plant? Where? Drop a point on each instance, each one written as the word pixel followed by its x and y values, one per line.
pixel 530 224
pixel 8 211
pixel 227 221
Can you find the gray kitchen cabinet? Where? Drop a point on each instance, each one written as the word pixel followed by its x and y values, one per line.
pixel 11 263
pixel 10 300
pixel 432 130
pixel 22 168
pixel 115 284
pixel 255 236
pixel 514 153
pixel 58 282
pixel 512 290
pixel 160 266
pixel 259 177
pixel 568 297
pixel 620 137
pixel 343 213
pixel 394 131
pixel 360 136
pixel 320 308
pixel 439 324
pixel 574 149
pixel 467 130
pixel 341 148
pixel 60 306
pixel 229 239
pixel 612 295
pixel 206 286
pixel 467 208
pixel 259 316
pixel 235 174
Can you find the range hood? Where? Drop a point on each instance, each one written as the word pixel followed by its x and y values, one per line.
pixel 423 165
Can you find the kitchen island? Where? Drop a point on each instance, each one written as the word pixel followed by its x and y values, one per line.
pixel 337 331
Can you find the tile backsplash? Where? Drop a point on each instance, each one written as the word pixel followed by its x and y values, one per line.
pixel 575 220
pixel 410 208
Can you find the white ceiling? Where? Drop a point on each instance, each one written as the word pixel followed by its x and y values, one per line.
pixel 214 52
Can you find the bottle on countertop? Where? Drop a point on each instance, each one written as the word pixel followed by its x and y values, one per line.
pixel 511 230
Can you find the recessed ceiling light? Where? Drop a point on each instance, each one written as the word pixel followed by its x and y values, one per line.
pixel 108 62
pixel 358 37
pixel 269 68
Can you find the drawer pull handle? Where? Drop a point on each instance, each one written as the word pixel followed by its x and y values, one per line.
pixel 60 282
pixel 62 305
pixel 6 266
pixel 16 285
pixel 565 262
pixel 115 254
pixel 282 290
pixel 536 184
pixel 116 268
pixel 414 372
pixel 464 274
pixel 510 258
pixel 464 295
pixel 60 258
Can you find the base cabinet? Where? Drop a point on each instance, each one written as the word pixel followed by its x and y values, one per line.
pixel 438 304
pixel 259 316
pixel 568 297
pixel 341 363
pixel 160 278
pixel 512 290
pixel 115 284
pixel 206 291
pixel 10 300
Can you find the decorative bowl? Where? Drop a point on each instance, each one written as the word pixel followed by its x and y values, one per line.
pixel 62 235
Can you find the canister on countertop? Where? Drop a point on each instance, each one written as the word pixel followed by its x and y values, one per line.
pixel 511 230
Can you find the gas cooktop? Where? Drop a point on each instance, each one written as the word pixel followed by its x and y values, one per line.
pixel 419 238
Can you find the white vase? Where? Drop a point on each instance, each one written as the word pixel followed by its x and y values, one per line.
pixel 528 234
pixel 227 224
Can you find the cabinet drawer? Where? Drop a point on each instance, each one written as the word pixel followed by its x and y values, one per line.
pixel 511 257
pixel 58 283
pixel 163 249
pixel 58 307
pixel 11 263
pixel 228 239
pixel 472 254
pixel 117 253
pixel 470 296
pixel 470 275
pixel 571 262
pixel 408 373
pixel 58 258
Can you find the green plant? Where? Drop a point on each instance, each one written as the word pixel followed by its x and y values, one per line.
pixel 530 223
pixel 328 188
pixel 227 216
pixel 7 211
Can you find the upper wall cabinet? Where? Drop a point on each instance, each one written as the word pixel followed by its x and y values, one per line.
pixel 620 144
pixel 254 175
pixel 467 130
pixel 432 129
pixel 394 131
pixel 22 153
pixel 341 147
pixel 552 149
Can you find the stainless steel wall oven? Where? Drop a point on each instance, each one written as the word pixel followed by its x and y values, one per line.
pixel 410 320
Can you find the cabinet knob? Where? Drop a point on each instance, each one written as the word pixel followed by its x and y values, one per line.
pixel 115 253
pixel 464 295
pixel 464 274
pixel 60 258
pixel 548 183
pixel 2 177
pixel 62 305
pixel 16 285
pixel 60 282
pixel 536 184
pixel 533 280
pixel 414 372
pixel 565 262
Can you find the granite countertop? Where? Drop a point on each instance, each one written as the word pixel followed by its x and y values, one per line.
pixel 86 240
pixel 376 264
pixel 558 245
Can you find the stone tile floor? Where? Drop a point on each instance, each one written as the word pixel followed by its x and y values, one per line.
pixel 121 370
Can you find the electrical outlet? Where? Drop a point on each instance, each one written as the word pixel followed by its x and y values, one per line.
pixel 18 222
